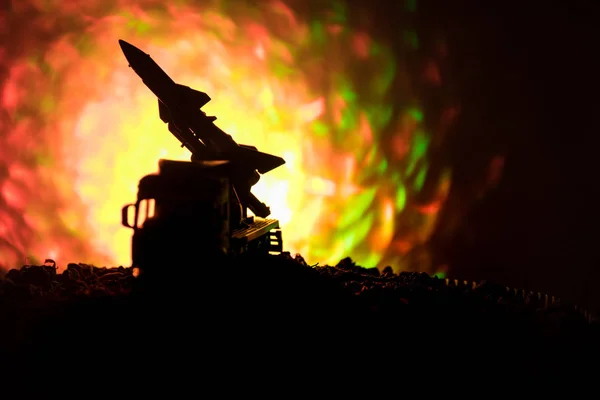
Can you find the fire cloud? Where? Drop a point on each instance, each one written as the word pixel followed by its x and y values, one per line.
pixel 78 129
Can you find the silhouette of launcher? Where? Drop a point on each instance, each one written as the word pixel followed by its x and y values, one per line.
pixel 180 107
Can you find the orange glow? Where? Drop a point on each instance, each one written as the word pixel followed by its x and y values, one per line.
pixel 80 129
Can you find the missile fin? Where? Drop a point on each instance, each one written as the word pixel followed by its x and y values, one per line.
pixel 164 112
pixel 194 97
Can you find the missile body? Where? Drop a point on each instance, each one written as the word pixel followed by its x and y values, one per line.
pixel 180 105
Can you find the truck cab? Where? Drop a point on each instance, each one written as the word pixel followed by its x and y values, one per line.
pixel 189 213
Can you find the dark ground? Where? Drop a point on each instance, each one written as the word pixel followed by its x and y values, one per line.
pixel 275 321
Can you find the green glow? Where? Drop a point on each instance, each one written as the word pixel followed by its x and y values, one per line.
pixel 138 26
pixel 371 155
pixel 360 232
pixel 418 151
pixel 416 114
pixel 356 207
pixel 381 116
pixel 421 176
pixel 368 261
pixel 348 119
pixel 346 91
pixel 382 167
pixel 420 146
pixel 400 197
pixel 318 33
pixel 320 128
pixel 384 80
pixel 281 70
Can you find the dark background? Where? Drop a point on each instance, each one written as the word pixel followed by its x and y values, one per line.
pixel 527 78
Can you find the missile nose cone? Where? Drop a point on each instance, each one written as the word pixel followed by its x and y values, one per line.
pixel 131 52
pixel 126 47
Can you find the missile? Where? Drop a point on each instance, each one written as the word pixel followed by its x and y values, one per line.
pixel 180 106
